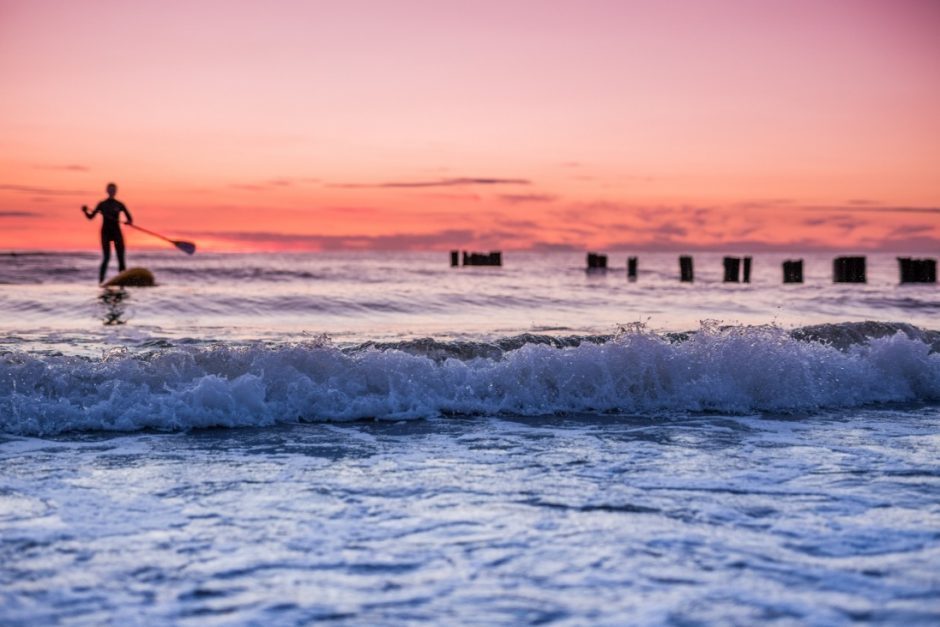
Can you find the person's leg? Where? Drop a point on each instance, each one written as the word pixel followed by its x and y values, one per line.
pixel 105 257
pixel 119 249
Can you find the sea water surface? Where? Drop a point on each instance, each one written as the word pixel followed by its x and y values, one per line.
pixel 381 439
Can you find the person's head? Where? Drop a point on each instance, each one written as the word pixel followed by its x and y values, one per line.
pixel 112 190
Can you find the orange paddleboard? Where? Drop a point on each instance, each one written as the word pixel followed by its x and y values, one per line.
pixel 132 277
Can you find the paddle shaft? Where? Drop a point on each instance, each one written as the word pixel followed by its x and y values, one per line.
pixel 187 247
pixel 149 232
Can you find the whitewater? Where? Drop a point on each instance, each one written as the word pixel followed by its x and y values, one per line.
pixel 379 438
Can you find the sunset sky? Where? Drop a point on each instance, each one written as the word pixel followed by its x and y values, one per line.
pixel 530 124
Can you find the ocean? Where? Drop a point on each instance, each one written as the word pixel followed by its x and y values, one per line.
pixel 378 438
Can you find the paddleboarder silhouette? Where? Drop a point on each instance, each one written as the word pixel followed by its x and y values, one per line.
pixel 110 210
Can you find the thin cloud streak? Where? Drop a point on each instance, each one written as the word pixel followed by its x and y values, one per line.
pixel 851 206
pixel 895 210
pixel 551 247
pixel 909 230
pixel 395 241
pixel 741 245
pixel 878 209
pixel 275 183
pixel 527 198
pixel 451 182
pixel 40 191
pixel 72 167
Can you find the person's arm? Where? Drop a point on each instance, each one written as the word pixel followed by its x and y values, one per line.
pixel 130 220
pixel 89 214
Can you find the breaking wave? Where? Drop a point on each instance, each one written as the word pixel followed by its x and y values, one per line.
pixel 721 369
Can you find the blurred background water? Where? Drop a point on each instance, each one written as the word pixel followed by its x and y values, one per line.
pixel 51 298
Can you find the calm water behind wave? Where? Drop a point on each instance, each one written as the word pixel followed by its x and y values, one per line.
pixel 362 296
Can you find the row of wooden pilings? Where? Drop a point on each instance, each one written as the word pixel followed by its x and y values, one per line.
pixel 738 269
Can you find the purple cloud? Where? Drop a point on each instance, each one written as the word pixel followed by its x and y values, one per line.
pixel 549 247
pixel 518 224
pixel 907 230
pixel 872 209
pixel 843 221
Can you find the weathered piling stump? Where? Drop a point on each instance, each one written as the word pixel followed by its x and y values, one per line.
pixel 454 258
pixel 732 269
pixel 686 273
pixel 793 271
pixel 917 270
pixel 493 258
pixel 631 268
pixel 596 261
pixel 848 270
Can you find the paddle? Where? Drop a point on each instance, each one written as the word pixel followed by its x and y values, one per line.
pixel 187 247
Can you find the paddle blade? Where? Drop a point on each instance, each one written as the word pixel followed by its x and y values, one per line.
pixel 187 247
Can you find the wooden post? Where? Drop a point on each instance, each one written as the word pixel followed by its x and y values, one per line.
pixel 454 258
pixel 793 271
pixel 631 268
pixel 848 270
pixel 492 258
pixel 596 261
pixel 747 270
pixel 917 270
pixel 929 270
pixel 905 265
pixel 732 269
pixel 686 273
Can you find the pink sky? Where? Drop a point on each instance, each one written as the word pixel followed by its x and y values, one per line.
pixel 529 124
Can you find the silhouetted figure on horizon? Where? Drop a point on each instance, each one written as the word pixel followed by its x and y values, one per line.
pixel 110 210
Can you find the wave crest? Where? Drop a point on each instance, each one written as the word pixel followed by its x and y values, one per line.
pixel 721 369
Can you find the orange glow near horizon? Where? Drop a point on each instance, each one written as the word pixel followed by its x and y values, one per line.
pixel 625 125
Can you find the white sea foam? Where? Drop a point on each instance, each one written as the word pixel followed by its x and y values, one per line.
pixel 735 370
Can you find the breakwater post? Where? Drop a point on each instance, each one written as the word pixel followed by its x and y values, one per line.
pixel 454 258
pixel 793 271
pixel 631 268
pixel 686 273
pixel 917 270
pixel 596 261
pixel 493 258
pixel 732 269
pixel 733 266
pixel 848 270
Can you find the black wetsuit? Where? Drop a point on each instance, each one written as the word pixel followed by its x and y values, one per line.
pixel 110 210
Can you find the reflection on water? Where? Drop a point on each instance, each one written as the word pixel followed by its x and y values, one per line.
pixel 113 300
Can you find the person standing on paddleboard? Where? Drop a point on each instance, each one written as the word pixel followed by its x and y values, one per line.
pixel 110 210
